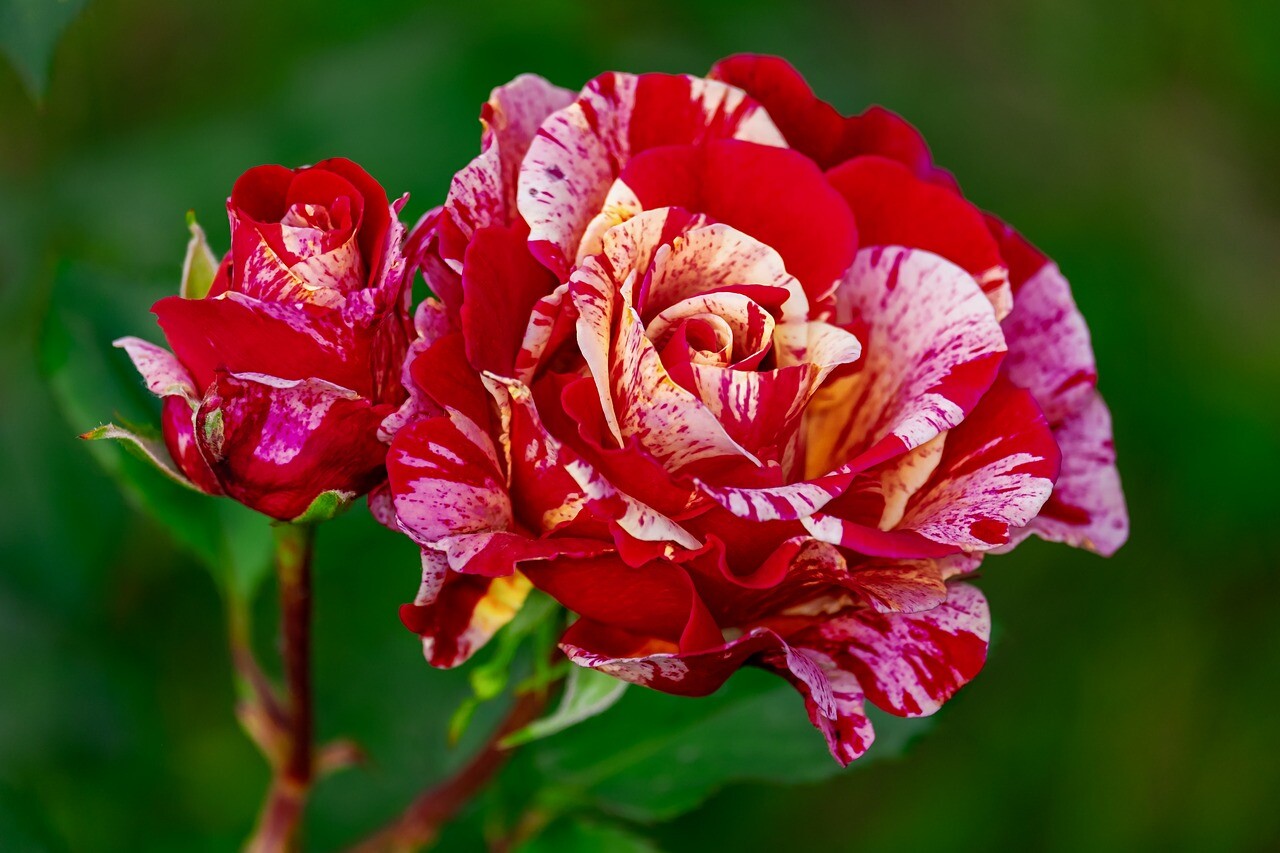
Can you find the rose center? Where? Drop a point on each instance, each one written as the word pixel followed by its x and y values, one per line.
pixel 312 229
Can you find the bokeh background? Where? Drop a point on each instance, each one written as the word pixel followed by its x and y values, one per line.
pixel 1129 704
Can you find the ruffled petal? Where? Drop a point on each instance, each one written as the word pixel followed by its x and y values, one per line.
pixel 1087 508
pixel 909 664
pixel 816 129
pixel 993 474
pixel 236 334
pixel 456 614
pixel 482 194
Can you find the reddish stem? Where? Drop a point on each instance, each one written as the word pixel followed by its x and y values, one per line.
pixel 292 764
pixel 420 824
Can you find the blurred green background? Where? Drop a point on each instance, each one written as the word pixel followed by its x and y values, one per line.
pixel 1129 704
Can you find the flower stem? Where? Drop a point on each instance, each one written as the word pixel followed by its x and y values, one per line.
pixel 420 824
pixel 291 762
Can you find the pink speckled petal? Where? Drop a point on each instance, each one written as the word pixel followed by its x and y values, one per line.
pixel 444 483
pixel 832 697
pixel 164 374
pixel 275 444
pixel 911 663
pixel 579 150
pixel 482 193
pixel 1087 508
pixel 931 347
pixel 1050 353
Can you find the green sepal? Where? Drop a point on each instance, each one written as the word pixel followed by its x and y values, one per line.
pixel 143 443
pixel 200 265
pixel 325 506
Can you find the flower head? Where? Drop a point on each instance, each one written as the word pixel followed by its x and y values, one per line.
pixel 737 380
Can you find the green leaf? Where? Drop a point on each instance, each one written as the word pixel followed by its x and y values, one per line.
pixel 200 266
pixel 29 32
pixel 655 756
pixel 587 693
pixel 587 836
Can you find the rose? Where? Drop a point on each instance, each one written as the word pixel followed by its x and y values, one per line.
pixel 286 361
pixel 737 380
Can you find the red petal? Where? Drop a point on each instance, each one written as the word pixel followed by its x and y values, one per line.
pixel 773 194
pixel 236 334
pixel 814 128
pixel 276 444
pixel 894 207
pixel 501 282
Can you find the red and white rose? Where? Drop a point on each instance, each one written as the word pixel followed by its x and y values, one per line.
pixel 737 380
pixel 282 371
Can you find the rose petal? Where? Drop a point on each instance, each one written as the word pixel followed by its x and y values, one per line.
pixel 995 470
pixel 909 664
pixel 443 483
pixel 894 207
pixel 275 444
pixel 931 347
pixel 237 334
pixel 1087 508
pixel 832 697
pixel 501 283
pixel 456 614
pixel 579 150
pixel 815 128
pixel 776 195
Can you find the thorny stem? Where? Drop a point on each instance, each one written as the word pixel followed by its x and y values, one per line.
pixel 420 824
pixel 287 743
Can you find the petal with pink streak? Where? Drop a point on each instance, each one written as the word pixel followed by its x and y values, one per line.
pixel 512 117
pixel 832 697
pixel 909 664
pixel 931 347
pixel 539 460
pixel 275 444
pixel 1087 508
pixel 579 150
pixel 444 483
pixel 482 193
pixel 895 207
pixel 993 473
pixel 456 614
pixel 1050 353
pixel 430 324
pixel 997 470
pixel 164 374
pixel 900 586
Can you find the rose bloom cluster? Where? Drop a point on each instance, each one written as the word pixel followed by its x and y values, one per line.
pixel 734 378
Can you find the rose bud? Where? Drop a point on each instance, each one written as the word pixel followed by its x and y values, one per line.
pixel 737 380
pixel 286 360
